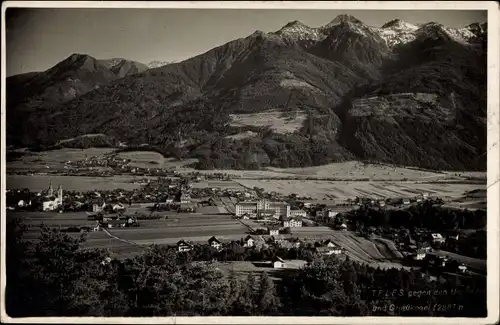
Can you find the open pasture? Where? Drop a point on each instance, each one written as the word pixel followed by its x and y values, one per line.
pixel 191 227
pixel 79 183
pixel 55 159
pixel 475 263
pixel 350 170
pixel 342 190
pixel 276 120
pixel 243 268
pixel 218 184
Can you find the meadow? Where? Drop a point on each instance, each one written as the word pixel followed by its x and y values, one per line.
pixel 75 183
pixel 196 228
pixel 342 190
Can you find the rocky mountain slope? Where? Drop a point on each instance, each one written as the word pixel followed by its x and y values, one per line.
pixel 403 94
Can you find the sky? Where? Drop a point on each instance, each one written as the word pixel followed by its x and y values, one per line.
pixel 39 38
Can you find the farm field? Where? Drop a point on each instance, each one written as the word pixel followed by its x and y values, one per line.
pixel 219 184
pixel 475 263
pixel 275 120
pixel 373 252
pixel 341 190
pixel 191 227
pixel 79 183
pixel 152 159
pixel 54 158
pixel 354 170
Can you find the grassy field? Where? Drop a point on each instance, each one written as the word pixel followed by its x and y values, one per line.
pixel 191 227
pixel 345 170
pixel 243 268
pixel 151 159
pixel 474 263
pixel 143 159
pixel 55 158
pixel 80 183
pixel 219 184
pixel 275 120
pixel 341 190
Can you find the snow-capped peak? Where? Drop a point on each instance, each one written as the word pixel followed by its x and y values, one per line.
pixel 393 32
pixel 299 31
pixel 157 64
pixel 399 24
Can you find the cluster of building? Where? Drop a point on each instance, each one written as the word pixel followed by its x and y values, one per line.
pixel 269 210
pixel 47 200
pixel 325 247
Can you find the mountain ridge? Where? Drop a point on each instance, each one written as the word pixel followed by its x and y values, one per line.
pixel 184 108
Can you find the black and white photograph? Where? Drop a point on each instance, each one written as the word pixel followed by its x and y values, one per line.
pixel 232 160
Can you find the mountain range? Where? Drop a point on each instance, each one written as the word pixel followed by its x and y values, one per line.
pixel 400 93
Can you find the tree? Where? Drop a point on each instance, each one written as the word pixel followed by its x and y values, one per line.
pixel 245 305
pixel 268 300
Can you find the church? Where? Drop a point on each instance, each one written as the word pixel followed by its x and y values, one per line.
pixel 51 201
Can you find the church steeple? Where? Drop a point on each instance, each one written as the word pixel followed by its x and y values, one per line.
pixel 50 191
pixel 60 193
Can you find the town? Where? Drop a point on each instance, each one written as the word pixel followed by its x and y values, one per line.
pixel 293 228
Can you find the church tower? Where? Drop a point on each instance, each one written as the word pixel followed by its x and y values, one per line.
pixel 59 195
pixel 50 191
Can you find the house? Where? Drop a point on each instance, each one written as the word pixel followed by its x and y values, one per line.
pixel 437 238
pixel 328 243
pixel 183 246
pixel 292 223
pixel 329 214
pixel 342 226
pixel 273 230
pixel 116 223
pixel 328 248
pixel 187 207
pixel 185 198
pixel 442 261
pixel 215 243
pixel 98 207
pixel 169 201
pixel 298 213
pixel 406 201
pixel 97 227
pixel 438 261
pixel 381 203
pixel 462 268
pixel 249 241
pixel 420 255
pixel 106 260
pixel 118 207
pixel 278 263
pixel 426 247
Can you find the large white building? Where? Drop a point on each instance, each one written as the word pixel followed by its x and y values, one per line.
pixel 263 208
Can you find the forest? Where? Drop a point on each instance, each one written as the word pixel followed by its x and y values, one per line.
pixel 58 276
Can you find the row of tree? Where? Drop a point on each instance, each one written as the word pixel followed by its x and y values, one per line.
pixel 424 215
pixel 58 276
